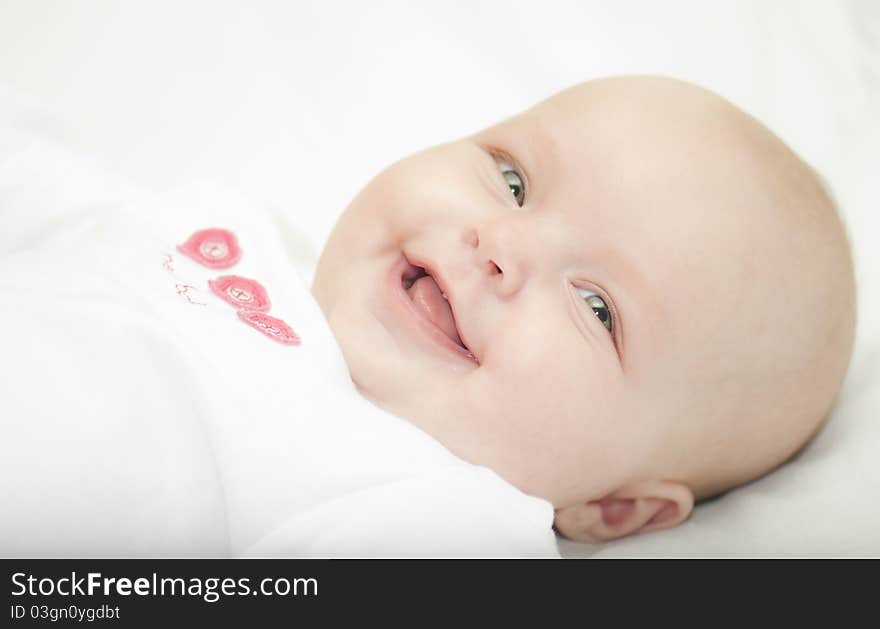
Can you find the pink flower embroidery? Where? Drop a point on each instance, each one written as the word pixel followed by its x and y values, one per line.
pixel 274 328
pixel 240 292
pixel 215 248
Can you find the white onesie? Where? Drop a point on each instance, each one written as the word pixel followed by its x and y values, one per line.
pixel 174 392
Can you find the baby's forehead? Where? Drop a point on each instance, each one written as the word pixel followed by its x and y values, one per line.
pixel 620 115
pixel 635 97
pixel 622 152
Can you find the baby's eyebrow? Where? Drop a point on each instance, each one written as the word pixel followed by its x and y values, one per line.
pixel 532 147
pixel 537 150
pixel 628 286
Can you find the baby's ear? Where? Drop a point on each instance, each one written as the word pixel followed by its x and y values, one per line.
pixel 640 507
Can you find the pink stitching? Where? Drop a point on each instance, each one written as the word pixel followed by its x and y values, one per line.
pixel 241 292
pixel 274 328
pixel 167 263
pixel 214 248
pixel 183 291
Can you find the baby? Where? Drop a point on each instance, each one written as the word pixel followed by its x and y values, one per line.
pixel 629 298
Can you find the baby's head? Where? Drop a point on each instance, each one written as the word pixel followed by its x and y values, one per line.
pixel 655 295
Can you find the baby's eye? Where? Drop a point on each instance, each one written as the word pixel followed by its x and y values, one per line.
pixel 514 182
pixel 598 305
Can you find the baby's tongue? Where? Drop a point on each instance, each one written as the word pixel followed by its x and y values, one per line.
pixel 429 300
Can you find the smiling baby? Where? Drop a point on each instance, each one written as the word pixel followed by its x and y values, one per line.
pixel 625 299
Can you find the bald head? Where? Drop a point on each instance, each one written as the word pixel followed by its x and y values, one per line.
pixel 800 304
pixel 753 304
pixel 769 273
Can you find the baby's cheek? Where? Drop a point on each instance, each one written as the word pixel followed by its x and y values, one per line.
pixel 391 198
pixel 535 361
pixel 557 382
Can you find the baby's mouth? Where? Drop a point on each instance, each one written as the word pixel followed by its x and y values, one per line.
pixel 431 302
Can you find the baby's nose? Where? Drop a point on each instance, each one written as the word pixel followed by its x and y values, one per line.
pixel 497 257
pixel 507 280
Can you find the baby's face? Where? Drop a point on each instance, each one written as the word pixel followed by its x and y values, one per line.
pixel 576 244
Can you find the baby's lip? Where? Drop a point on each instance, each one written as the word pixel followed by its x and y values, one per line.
pixel 432 269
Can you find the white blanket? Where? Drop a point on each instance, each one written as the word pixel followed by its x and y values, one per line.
pixel 142 417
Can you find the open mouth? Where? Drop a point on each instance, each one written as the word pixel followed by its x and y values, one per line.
pixel 432 303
